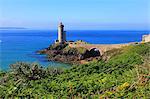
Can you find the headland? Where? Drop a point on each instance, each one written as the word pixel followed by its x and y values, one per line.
pixel 80 52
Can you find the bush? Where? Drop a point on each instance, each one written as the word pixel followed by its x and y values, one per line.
pixel 28 71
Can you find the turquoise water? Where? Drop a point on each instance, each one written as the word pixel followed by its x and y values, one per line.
pixel 21 45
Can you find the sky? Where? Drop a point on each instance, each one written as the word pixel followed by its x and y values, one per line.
pixel 76 14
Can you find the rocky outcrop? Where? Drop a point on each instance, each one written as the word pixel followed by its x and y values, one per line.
pixel 64 53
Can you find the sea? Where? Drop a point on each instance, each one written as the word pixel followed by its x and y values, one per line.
pixel 20 45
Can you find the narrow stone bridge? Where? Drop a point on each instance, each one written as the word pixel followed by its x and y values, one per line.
pixel 101 47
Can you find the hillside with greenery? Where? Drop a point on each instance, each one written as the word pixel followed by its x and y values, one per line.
pixel 125 73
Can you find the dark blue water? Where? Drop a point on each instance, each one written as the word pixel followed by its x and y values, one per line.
pixel 21 45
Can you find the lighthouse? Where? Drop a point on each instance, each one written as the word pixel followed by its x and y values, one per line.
pixel 61 33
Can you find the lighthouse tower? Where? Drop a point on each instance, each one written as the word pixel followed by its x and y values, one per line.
pixel 61 33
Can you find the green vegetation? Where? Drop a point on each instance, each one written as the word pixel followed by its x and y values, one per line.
pixel 75 51
pixel 57 46
pixel 66 49
pixel 126 74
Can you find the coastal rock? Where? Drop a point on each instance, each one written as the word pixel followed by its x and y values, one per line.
pixel 64 53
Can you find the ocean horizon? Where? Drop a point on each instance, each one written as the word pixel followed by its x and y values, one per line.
pixel 21 44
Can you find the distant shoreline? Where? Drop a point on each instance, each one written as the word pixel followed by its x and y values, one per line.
pixel 17 28
pixel 9 28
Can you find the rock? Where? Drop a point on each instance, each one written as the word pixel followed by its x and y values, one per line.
pixel 42 51
pixel 64 53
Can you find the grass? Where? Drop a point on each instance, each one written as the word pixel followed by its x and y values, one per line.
pixel 74 51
